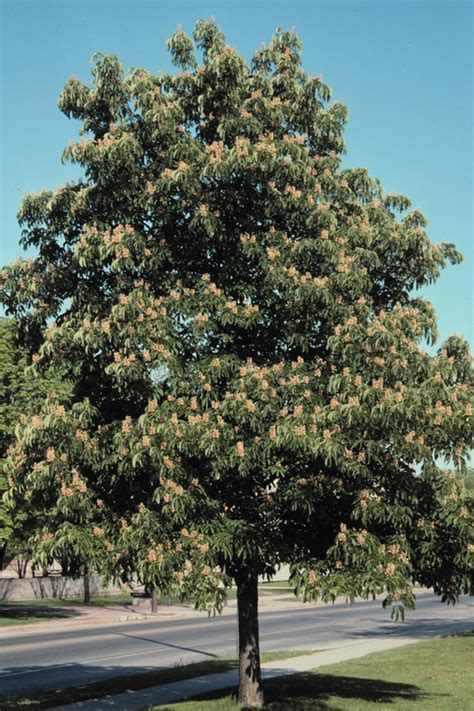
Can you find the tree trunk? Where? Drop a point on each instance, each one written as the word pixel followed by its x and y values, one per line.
pixel 3 548
pixel 250 680
pixel 87 589
pixel 154 600
pixel 21 567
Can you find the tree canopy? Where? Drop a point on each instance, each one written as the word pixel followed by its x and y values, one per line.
pixel 238 312
pixel 21 394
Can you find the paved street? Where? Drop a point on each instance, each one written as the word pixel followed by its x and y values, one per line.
pixel 61 656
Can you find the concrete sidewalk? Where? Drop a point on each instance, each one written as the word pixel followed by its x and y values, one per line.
pixel 182 690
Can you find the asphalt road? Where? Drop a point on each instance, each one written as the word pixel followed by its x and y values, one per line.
pixel 59 657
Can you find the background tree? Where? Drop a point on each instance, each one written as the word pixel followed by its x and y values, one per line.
pixel 237 313
pixel 469 481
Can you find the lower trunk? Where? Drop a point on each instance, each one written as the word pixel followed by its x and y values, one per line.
pixel 3 548
pixel 21 567
pixel 250 680
pixel 87 589
pixel 154 600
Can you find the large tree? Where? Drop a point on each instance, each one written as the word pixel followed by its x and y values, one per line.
pixel 238 313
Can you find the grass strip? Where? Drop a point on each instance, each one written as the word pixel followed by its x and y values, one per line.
pixel 26 620
pixel 23 612
pixel 96 601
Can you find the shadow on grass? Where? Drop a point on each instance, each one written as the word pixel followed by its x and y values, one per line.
pixel 21 613
pixel 320 692
pixel 312 691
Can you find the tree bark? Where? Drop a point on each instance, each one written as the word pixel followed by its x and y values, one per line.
pixel 87 589
pixel 250 679
pixel 21 567
pixel 154 600
pixel 3 548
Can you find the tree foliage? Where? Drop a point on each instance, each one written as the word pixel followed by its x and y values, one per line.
pixel 21 394
pixel 238 312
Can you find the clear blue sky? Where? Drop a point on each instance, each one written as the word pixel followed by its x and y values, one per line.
pixel 404 68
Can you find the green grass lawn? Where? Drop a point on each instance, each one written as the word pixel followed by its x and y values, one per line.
pixel 266 589
pixel 38 610
pixel 50 699
pixel 96 600
pixel 428 676
pixel 26 617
